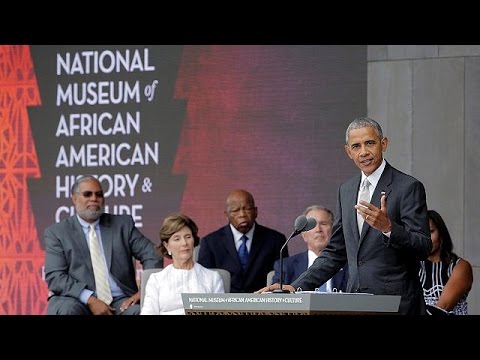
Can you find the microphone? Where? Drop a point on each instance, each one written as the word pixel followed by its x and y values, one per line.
pixel 311 223
pixel 302 223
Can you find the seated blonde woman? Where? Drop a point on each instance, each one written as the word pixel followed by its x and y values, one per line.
pixel 163 293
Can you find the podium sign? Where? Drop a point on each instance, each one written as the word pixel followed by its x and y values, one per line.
pixel 289 304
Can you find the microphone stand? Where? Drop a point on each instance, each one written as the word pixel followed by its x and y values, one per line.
pixel 281 291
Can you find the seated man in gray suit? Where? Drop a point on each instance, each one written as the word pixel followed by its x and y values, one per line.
pixel 89 257
pixel 317 240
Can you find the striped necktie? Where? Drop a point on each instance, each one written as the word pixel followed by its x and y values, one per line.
pixel 99 268
pixel 365 196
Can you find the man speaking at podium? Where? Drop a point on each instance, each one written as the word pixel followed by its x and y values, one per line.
pixel 389 207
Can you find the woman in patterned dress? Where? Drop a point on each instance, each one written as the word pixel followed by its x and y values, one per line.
pixel 446 278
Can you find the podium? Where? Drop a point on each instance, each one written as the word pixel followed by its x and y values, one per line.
pixel 305 303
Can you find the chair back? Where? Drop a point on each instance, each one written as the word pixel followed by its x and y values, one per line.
pixel 143 282
pixel 226 277
pixel 196 250
pixel 270 277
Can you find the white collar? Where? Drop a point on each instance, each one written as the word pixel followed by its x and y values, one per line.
pixel 374 177
pixel 237 234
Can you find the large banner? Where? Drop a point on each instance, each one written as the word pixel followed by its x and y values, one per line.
pixel 167 128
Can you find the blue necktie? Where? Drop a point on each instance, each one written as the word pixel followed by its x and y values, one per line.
pixel 243 252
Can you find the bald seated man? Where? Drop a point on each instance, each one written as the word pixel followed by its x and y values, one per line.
pixel 245 248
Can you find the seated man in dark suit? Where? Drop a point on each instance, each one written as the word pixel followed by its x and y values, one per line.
pixel 243 247
pixel 317 240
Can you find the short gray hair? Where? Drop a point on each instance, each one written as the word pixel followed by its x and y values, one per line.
pixel 319 207
pixel 362 122
pixel 81 179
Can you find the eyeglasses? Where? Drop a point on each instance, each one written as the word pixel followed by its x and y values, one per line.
pixel 88 194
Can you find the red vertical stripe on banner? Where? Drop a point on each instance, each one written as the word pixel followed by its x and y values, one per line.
pixel 22 289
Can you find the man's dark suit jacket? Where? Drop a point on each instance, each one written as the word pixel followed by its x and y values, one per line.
pixel 217 250
pixel 296 265
pixel 378 264
pixel 68 268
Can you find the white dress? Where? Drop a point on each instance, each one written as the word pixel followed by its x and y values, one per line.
pixel 163 293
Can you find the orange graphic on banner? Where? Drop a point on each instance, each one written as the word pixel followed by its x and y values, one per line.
pixel 22 289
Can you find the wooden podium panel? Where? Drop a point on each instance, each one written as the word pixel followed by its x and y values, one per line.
pixel 289 304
